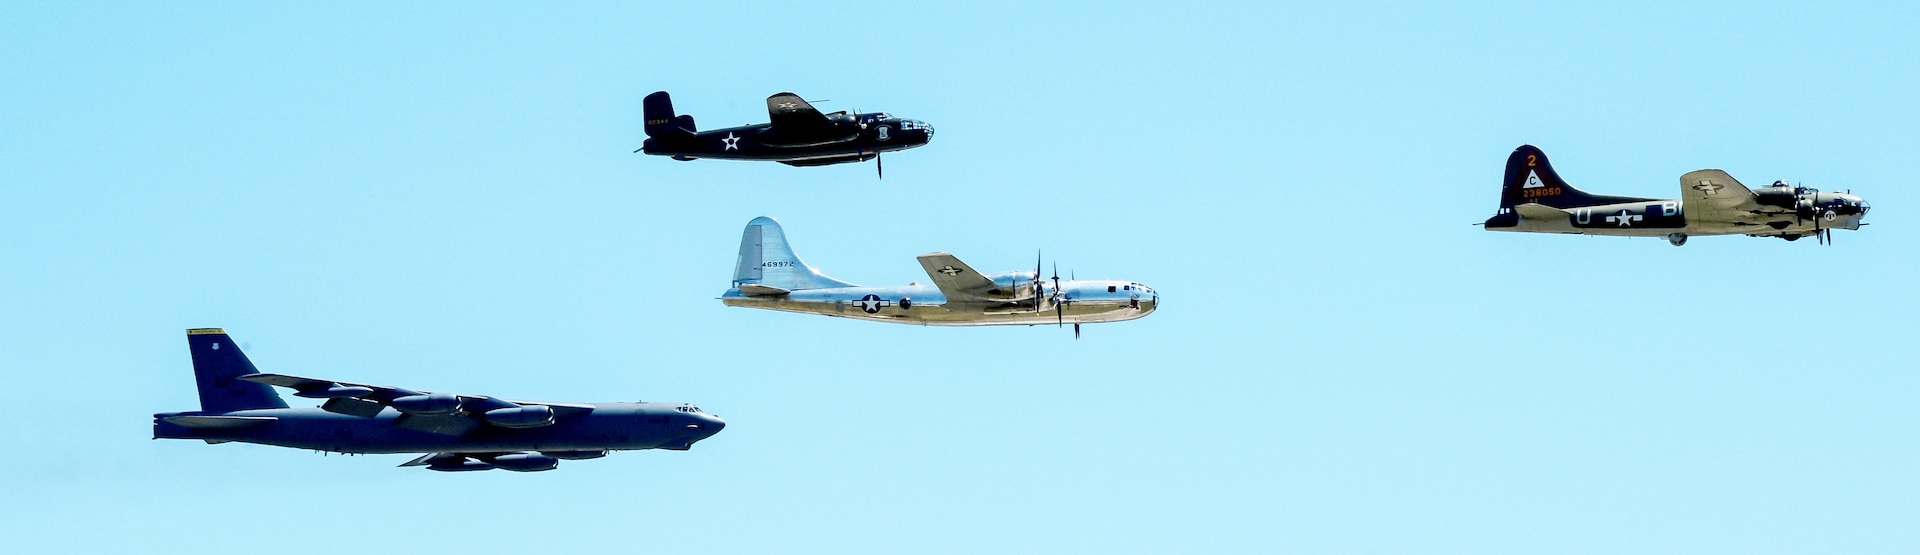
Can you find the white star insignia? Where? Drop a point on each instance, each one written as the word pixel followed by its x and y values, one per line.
pixel 1624 218
pixel 733 143
pixel 951 271
pixel 789 105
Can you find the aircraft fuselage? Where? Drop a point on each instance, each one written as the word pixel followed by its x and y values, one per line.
pixel 610 426
pixel 1662 217
pixel 1079 302
pixel 867 137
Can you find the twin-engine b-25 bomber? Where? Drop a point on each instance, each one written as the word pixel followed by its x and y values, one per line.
pixel 1533 198
pixel 457 432
pixel 768 275
pixel 798 135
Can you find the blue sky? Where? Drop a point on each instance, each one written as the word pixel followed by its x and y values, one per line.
pixel 442 196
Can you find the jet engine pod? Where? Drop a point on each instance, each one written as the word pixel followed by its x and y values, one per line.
pixel 521 417
pixel 428 405
pixel 525 462
pixel 462 465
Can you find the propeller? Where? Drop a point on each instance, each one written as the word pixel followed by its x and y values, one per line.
pixel 1036 281
pixel 1059 305
pixel 1818 233
pixel 879 166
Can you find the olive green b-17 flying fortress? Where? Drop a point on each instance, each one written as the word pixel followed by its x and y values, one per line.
pixel 1534 199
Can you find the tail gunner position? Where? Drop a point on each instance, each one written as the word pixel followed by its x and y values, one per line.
pixel 768 275
pixel 798 135
pixel 1534 199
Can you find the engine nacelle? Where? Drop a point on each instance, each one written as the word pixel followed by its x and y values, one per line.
pixel 575 455
pixel 525 462
pixel 1777 197
pixel 521 417
pixel 463 465
pixel 428 405
pixel 1012 285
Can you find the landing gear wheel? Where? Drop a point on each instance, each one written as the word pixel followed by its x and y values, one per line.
pixel 1677 239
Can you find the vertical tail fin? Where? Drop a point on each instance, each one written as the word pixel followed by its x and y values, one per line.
pixel 766 260
pixel 217 362
pixel 1530 179
pixel 661 123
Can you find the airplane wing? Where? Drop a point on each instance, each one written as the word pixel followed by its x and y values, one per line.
pixel 789 112
pixel 956 280
pixel 426 411
pixel 1714 195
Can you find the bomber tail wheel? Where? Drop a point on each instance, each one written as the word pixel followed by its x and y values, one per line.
pixel 1677 239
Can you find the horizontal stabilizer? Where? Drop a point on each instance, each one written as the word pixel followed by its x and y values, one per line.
pixel 1534 211
pixel 752 290
pixel 289 382
pixel 217 422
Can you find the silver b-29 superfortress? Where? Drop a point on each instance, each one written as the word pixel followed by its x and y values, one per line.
pixel 768 275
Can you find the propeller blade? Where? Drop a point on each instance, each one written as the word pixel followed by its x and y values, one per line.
pixel 1060 304
pixel 1036 280
pixel 879 165
pixel 1076 331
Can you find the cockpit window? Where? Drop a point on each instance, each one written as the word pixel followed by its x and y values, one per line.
pixel 1110 288
pixel 687 408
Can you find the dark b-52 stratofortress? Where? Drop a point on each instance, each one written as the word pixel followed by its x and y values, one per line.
pixel 456 432
pixel 1534 199
pixel 798 135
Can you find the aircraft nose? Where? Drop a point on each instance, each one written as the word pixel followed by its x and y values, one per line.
pixel 712 426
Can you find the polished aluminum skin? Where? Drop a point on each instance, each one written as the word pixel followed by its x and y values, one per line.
pixel 769 276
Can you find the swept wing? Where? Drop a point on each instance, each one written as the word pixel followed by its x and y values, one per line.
pixel 426 411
